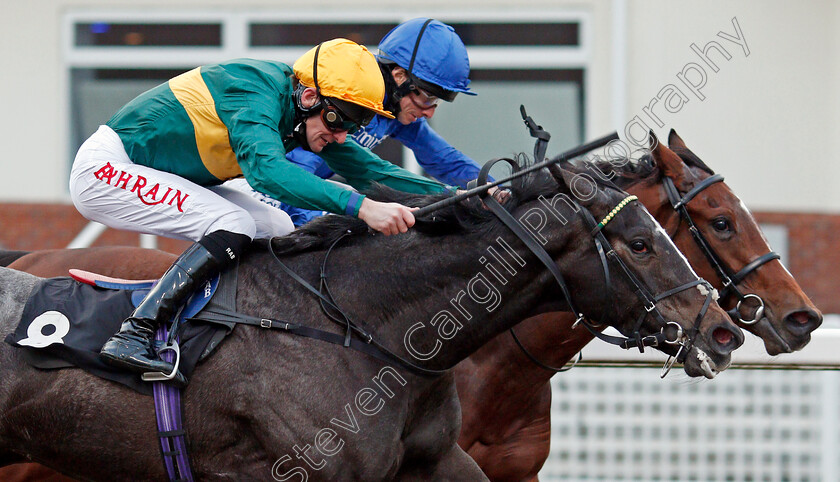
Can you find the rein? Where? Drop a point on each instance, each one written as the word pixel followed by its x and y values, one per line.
pixel 540 146
pixel 729 279
pixel 368 344
pixel 363 342
pixel 649 301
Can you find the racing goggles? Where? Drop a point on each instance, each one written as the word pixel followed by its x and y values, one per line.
pixel 429 93
pixel 340 115
pixel 423 99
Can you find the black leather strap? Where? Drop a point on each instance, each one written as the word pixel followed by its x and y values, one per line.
pixel 524 235
pixel 368 347
pixel 753 265
pixel 699 187
pixel 539 363
pixel 537 132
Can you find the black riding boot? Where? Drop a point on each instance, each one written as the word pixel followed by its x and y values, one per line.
pixel 132 347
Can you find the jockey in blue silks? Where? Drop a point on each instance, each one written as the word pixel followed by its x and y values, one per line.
pixel 422 61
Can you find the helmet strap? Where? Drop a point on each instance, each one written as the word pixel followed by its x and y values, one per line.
pixel 299 134
pixel 417 45
pixel 395 92
pixel 301 114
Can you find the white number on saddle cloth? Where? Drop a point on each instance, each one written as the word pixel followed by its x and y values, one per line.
pixel 35 336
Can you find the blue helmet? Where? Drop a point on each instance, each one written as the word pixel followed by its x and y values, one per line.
pixel 432 53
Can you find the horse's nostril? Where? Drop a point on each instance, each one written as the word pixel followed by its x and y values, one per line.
pixel 722 336
pixel 800 317
pixel 803 322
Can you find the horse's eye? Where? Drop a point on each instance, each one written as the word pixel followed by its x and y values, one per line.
pixel 721 224
pixel 638 246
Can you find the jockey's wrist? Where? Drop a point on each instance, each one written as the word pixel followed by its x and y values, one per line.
pixel 354 204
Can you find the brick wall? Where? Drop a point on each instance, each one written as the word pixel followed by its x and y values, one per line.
pixel 49 226
pixel 813 254
pixel 814 257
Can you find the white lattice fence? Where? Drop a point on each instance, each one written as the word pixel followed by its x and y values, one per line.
pixel 748 424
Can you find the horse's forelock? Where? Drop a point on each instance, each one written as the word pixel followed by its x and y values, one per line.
pixel 630 173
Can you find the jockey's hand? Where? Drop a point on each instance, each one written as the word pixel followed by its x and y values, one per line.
pixel 501 195
pixel 387 218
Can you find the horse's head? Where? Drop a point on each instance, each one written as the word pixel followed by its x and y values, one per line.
pixel 636 279
pixel 726 246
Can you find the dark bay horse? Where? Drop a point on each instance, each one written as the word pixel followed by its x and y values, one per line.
pixel 515 444
pixel 506 398
pixel 256 408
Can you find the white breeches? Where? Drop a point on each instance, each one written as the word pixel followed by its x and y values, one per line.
pixel 108 188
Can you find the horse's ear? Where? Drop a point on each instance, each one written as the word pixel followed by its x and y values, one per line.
pixel 675 141
pixel 558 174
pixel 562 176
pixel 565 178
pixel 653 141
pixel 670 164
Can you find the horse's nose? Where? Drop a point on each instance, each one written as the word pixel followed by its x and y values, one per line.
pixel 802 322
pixel 725 339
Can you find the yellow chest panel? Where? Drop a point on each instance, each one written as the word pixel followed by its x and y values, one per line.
pixel 211 134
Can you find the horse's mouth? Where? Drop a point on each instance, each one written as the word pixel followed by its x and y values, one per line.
pixel 707 365
pixel 774 343
pixel 703 364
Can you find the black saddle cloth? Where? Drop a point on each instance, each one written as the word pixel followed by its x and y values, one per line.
pixel 66 322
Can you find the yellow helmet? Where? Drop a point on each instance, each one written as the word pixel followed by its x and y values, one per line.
pixel 345 71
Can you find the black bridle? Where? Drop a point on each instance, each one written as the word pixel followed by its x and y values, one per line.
pixel 670 332
pixel 730 279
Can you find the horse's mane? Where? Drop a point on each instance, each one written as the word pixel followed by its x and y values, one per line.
pixel 465 217
pixel 643 168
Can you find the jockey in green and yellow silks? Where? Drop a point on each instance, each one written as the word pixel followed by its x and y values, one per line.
pixel 158 166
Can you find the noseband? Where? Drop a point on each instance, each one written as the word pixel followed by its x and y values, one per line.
pixel 730 280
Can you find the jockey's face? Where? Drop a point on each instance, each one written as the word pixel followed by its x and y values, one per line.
pixel 318 134
pixel 415 105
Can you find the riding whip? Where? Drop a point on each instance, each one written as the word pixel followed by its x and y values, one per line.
pixel 572 153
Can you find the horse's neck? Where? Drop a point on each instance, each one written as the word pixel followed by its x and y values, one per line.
pixel 466 297
pixel 436 302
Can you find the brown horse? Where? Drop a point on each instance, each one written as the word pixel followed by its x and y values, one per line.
pixel 117 261
pixel 505 397
pixel 639 246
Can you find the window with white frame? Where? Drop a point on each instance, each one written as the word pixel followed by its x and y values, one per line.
pixel 538 59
